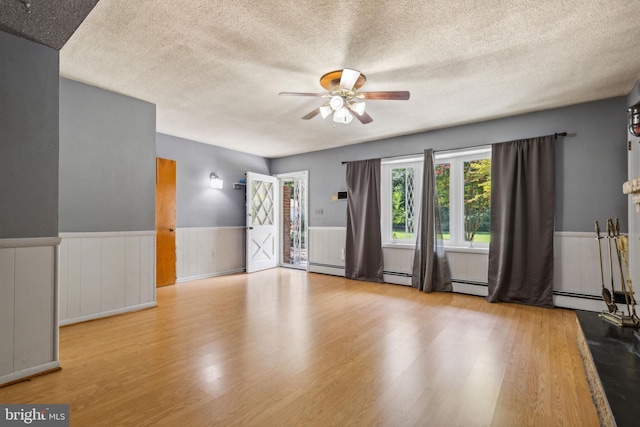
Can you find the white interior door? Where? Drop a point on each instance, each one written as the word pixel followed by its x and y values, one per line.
pixel 262 222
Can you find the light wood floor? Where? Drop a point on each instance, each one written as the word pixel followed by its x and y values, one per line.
pixel 283 348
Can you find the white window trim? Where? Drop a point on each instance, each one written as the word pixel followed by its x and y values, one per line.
pixel 456 219
pixel 385 188
pixel 457 180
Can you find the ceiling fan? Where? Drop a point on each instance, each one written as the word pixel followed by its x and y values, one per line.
pixel 344 101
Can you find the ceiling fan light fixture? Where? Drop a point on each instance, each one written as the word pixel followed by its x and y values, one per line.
pixel 343 115
pixel 325 111
pixel 358 107
pixel 336 102
pixel 344 99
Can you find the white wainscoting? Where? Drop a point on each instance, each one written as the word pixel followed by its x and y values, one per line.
pixel 28 307
pixel 209 251
pixel 326 255
pixel 106 273
pixel 326 250
pixel 469 270
pixel 576 266
pixel 576 273
pixel 398 265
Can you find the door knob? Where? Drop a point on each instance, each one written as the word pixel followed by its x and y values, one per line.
pixel 172 230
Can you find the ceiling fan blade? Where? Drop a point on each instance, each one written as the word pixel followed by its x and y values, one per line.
pixel 303 94
pixel 390 96
pixel 312 114
pixel 364 117
pixel 349 78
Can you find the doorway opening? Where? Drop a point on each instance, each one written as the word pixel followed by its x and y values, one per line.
pixel 293 208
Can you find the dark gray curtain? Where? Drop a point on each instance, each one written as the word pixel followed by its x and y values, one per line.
pixel 430 267
pixel 363 249
pixel 522 221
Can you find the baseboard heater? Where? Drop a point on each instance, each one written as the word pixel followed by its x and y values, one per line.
pixel 555 292
pixel 317 264
pixel 390 273
pixel 577 295
pixel 397 273
pixel 469 282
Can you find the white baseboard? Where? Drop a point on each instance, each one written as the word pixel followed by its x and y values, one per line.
pixel 207 276
pixel 480 290
pixel 108 313
pixel 577 303
pixel 397 279
pixel 326 269
pixel 29 372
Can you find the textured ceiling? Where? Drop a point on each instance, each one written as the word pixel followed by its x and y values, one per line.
pixel 50 23
pixel 215 68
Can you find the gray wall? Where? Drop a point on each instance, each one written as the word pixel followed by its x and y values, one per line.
pixel 28 139
pixel 198 205
pixel 107 160
pixel 591 161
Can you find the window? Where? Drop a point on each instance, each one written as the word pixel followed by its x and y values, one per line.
pixel 400 187
pixel 464 187
pixel 463 179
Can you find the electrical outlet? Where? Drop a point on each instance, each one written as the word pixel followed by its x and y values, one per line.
pixel 213 254
pixel 342 255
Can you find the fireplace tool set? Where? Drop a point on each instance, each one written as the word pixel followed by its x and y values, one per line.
pixel 620 244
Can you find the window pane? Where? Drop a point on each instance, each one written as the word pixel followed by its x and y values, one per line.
pixel 477 192
pixel 443 175
pixel 261 203
pixel 402 203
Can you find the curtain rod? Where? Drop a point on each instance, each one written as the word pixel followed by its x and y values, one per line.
pixel 555 136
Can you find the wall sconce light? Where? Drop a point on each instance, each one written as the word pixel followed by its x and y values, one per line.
pixel 634 119
pixel 216 182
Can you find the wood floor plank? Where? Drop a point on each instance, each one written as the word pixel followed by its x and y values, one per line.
pixel 285 347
